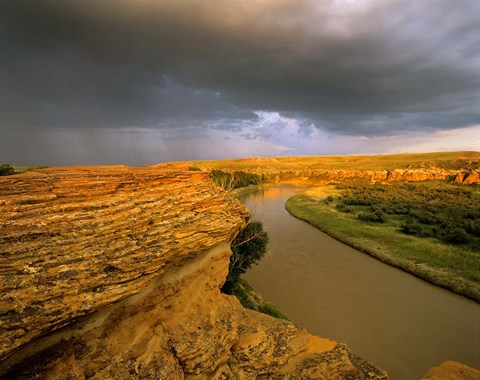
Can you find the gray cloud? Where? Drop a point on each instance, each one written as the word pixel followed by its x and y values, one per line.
pixel 351 68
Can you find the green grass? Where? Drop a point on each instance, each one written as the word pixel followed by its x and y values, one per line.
pixel 251 300
pixel 23 169
pixel 454 267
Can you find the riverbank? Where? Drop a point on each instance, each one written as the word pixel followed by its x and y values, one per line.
pixel 451 267
pixel 241 191
pixel 244 292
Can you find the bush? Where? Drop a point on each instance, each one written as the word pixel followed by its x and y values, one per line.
pixel 426 218
pixel 247 249
pixel 6 169
pixel 243 179
pixel 457 236
pixel 222 179
pixel 269 309
pixel 412 227
pixel 251 300
pixel 343 208
pixel 194 169
pixel 235 180
pixel 473 228
pixel 357 202
pixel 375 217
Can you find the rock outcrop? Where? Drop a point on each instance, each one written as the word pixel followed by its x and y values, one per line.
pixel 451 370
pixel 471 178
pixel 114 273
pixel 323 176
pixel 460 167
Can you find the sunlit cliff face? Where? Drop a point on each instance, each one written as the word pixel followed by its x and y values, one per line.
pixel 142 81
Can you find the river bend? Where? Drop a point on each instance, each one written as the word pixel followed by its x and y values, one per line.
pixel 400 323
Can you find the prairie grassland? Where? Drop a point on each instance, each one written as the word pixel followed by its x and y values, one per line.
pixel 447 160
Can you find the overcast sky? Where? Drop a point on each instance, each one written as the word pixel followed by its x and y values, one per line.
pixel 143 81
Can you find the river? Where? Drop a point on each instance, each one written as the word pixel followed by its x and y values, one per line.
pixel 391 318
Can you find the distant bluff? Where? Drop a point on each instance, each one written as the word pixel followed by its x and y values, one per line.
pixel 112 272
pixel 457 167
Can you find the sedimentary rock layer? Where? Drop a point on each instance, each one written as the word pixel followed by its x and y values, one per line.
pixel 114 273
pixel 74 240
pixel 460 167
pixel 322 176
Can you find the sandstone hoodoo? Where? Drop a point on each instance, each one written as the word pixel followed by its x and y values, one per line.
pixel 114 272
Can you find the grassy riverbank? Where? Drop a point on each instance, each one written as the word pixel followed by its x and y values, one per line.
pixel 369 225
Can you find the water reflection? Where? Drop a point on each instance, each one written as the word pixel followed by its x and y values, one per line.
pixel 389 317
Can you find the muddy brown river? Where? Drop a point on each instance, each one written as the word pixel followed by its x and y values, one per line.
pixel 391 318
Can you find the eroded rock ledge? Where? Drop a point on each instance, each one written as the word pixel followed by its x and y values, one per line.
pixel 114 272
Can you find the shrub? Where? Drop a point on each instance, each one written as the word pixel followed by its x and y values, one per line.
pixel 269 309
pixel 473 228
pixel 247 249
pixel 412 227
pixel 222 179
pixel 194 169
pixel 375 217
pixel 6 169
pixel 457 236
pixel 426 218
pixel 357 202
pixel 235 180
pixel 343 208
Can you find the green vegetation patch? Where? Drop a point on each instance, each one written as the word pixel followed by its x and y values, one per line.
pixel 6 169
pixel 248 248
pixel 429 229
pixel 253 301
pixel 236 179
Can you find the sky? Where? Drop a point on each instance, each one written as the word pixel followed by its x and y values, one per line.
pixel 138 82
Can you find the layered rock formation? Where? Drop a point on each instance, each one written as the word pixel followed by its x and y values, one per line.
pixel 114 272
pixel 451 370
pixel 322 176
pixel 461 167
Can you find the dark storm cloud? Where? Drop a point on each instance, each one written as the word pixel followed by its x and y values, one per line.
pixel 362 67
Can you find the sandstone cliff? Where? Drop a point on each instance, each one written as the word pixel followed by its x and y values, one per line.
pixel 323 176
pixel 114 273
pixel 460 167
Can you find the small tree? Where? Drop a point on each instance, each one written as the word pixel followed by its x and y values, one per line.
pixel 234 180
pixel 225 180
pixel 247 249
pixel 6 169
